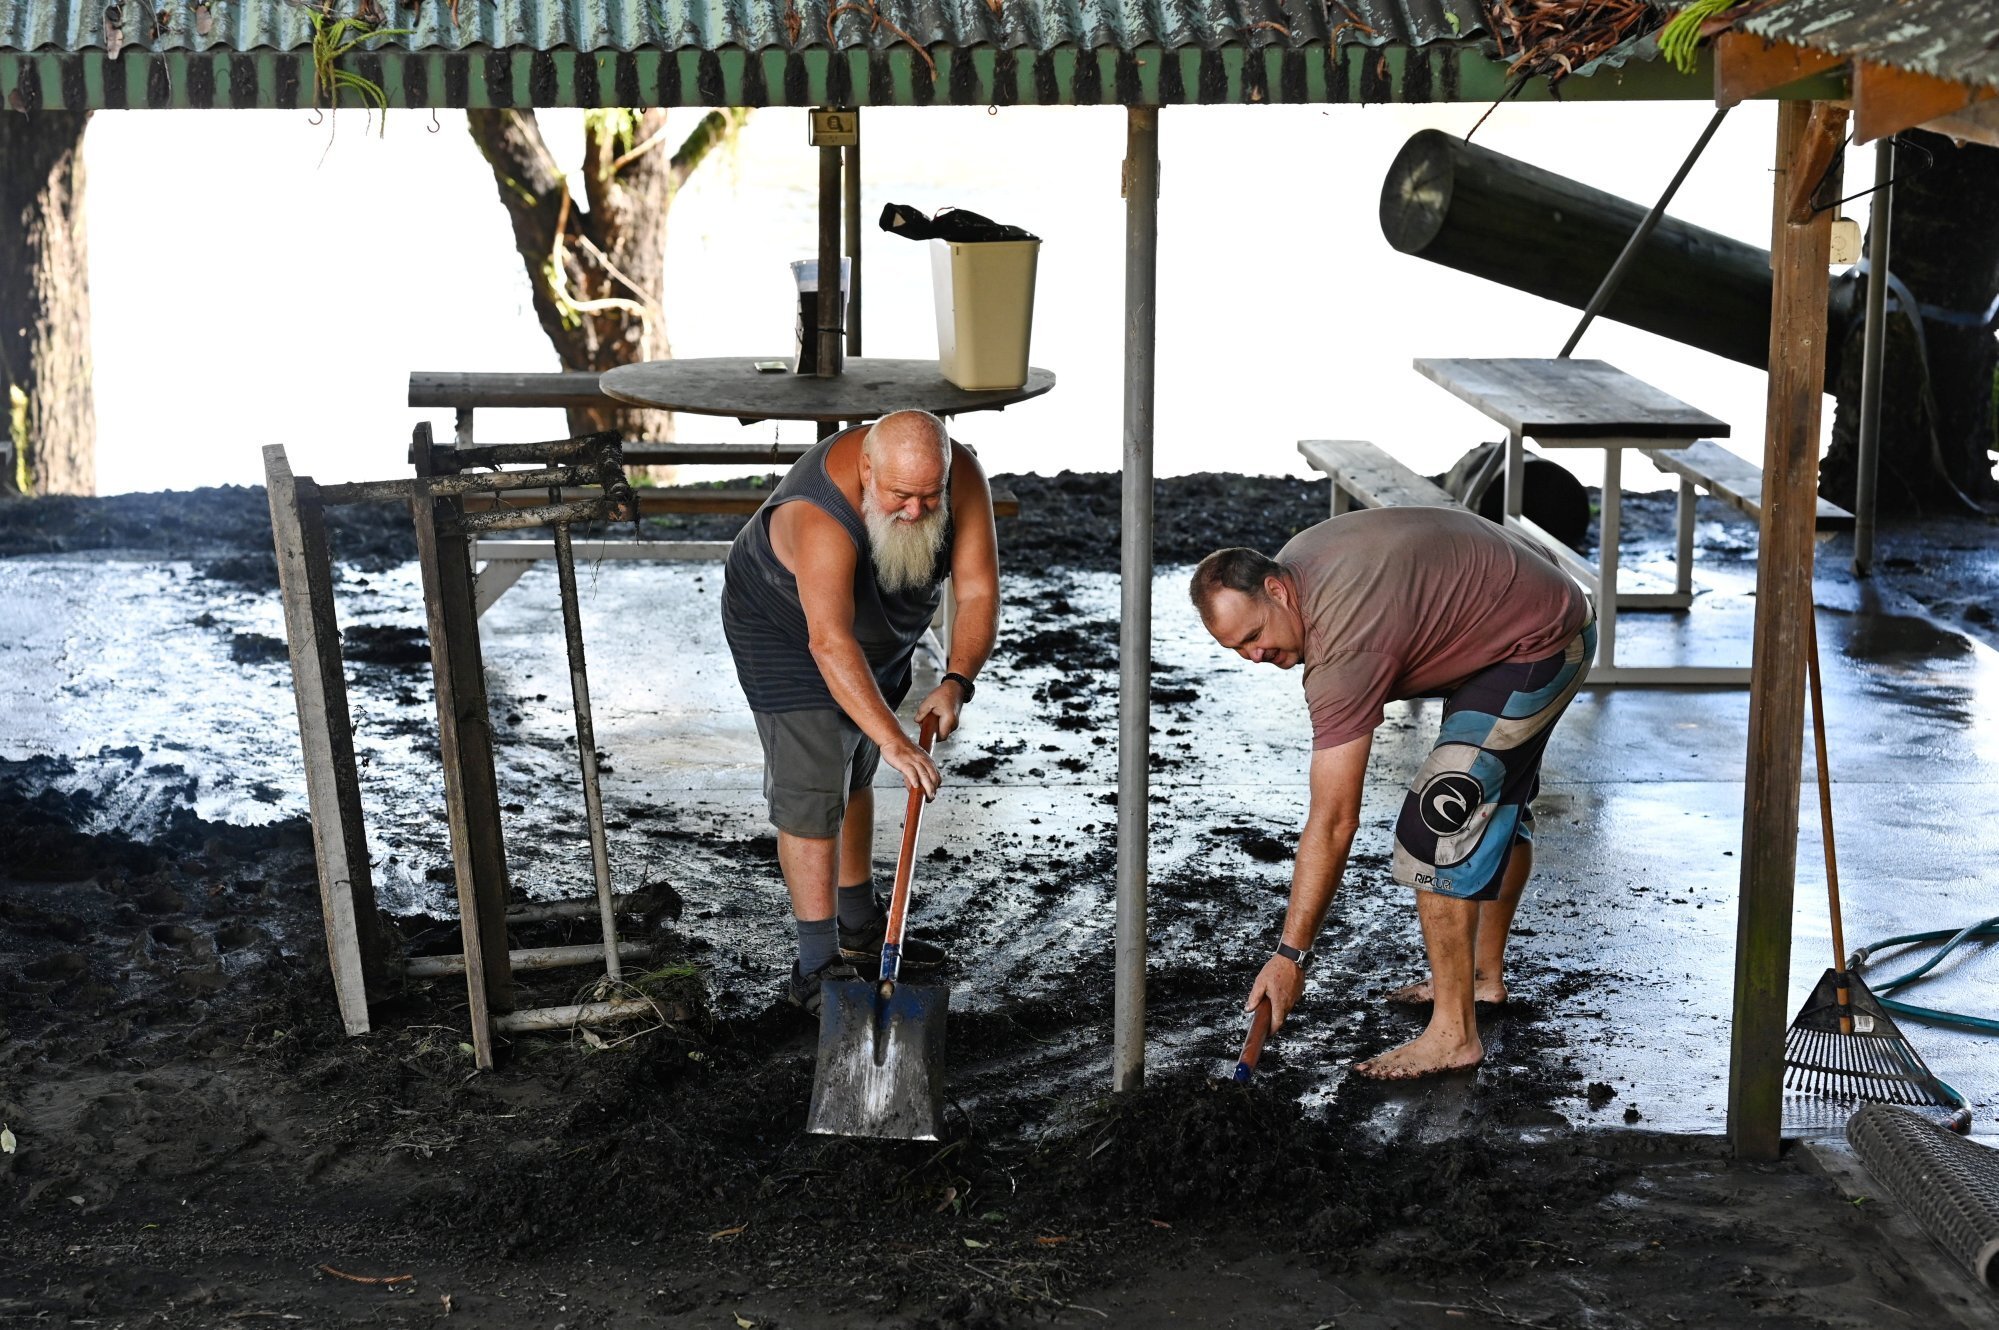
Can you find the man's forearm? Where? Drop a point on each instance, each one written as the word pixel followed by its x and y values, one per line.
pixel 845 670
pixel 1315 877
pixel 974 627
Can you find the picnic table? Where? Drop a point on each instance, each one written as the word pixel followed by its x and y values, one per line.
pixel 862 390
pixel 1590 404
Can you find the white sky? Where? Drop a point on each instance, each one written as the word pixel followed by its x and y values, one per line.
pixel 258 278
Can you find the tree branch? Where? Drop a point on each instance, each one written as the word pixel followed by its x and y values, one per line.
pixel 715 129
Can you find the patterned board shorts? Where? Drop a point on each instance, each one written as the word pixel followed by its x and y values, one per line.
pixel 1468 803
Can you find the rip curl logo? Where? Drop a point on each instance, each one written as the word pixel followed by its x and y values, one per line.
pixel 1449 801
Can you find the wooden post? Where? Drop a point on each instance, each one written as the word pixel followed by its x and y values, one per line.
pixel 326 734
pixel 1799 253
pixel 832 343
pixel 465 743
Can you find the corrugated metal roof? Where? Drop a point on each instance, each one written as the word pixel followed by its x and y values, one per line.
pixel 81 54
pixel 748 25
pixel 1951 39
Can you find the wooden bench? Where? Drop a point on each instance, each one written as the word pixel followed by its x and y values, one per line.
pixel 1707 465
pixel 1362 473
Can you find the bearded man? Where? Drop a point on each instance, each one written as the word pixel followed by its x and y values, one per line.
pixel 828 589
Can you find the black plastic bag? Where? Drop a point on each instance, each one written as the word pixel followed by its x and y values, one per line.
pixel 956 224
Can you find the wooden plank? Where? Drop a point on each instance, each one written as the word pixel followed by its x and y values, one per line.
pixel 436 388
pixel 1799 253
pixel 465 745
pixel 662 499
pixel 1887 100
pixel 326 734
pixel 1576 399
pixel 593 551
pixel 1746 66
pixel 866 389
pixel 1821 146
pixel 1372 476
pixel 1734 480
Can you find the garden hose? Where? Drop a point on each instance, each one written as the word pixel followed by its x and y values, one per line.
pixel 1984 931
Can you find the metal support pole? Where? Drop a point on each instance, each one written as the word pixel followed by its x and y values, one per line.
pixel 1873 350
pixel 851 183
pixel 830 341
pixel 1141 279
pixel 1615 277
pixel 586 746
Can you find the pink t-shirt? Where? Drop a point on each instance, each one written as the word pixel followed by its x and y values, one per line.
pixel 1403 602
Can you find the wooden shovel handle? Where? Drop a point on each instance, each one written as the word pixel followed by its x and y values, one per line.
pixel 1825 789
pixel 905 864
pixel 1252 1045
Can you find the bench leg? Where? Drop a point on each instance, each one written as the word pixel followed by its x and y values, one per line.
pixel 1341 500
pixel 1516 474
pixel 1684 579
pixel 461 433
pixel 492 581
pixel 1612 532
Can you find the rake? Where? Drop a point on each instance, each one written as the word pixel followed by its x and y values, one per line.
pixel 1844 1044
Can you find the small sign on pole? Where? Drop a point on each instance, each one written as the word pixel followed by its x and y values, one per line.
pixel 837 127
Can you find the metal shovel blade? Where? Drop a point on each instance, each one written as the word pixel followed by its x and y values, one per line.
pixel 881 1061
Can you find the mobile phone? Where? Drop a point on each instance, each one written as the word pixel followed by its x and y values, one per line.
pixel 771 367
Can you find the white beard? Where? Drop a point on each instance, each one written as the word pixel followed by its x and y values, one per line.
pixel 905 553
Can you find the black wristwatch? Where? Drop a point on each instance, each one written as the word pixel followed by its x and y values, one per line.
pixel 965 685
pixel 1301 959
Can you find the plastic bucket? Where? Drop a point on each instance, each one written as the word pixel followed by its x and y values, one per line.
pixel 985 310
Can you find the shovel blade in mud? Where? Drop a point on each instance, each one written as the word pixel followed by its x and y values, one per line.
pixel 881 1062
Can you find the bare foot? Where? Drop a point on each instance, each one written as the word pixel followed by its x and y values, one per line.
pixel 1489 991
pixel 1422 1056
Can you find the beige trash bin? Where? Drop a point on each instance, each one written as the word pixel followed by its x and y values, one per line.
pixel 985 310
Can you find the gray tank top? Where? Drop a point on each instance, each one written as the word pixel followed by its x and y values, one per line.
pixel 765 622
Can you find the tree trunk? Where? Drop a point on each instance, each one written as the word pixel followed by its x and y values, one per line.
pixel 1936 429
pixel 51 435
pixel 597 265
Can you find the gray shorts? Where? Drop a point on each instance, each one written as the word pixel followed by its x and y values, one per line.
pixel 813 760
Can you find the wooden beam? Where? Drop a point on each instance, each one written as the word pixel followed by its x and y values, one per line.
pixel 326 735
pixel 465 745
pixel 1799 254
pixel 1888 100
pixel 1825 135
pixel 1746 66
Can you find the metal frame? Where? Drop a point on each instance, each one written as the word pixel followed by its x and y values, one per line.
pixel 445 542
pixel 1602 579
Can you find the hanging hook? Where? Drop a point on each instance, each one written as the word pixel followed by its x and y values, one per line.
pixel 434 126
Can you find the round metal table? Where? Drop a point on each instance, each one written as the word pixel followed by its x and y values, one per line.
pixel 864 390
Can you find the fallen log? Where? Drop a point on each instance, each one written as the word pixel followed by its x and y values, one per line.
pixel 1493 216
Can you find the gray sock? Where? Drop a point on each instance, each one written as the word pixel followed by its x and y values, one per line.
pixel 858 907
pixel 818 944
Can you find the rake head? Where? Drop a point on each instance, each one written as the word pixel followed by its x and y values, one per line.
pixel 1869 1059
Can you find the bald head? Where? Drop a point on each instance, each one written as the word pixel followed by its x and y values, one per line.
pixel 909 441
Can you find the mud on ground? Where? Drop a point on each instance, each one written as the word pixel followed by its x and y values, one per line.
pixel 198 1144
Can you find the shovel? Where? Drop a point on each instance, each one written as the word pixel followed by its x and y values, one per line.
pixel 881 1045
pixel 1252 1044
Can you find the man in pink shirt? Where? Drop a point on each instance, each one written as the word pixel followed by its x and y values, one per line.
pixel 1394 603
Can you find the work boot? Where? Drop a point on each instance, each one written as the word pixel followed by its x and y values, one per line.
pixel 863 947
pixel 803 990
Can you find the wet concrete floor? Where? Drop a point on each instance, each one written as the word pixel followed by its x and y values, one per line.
pixel 162 685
